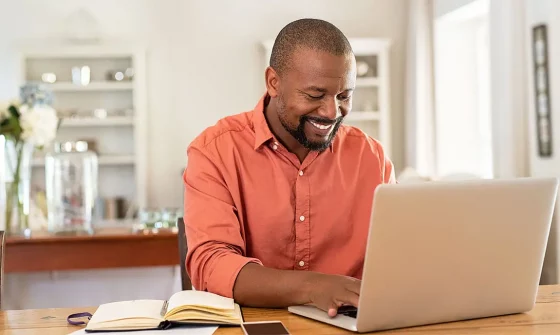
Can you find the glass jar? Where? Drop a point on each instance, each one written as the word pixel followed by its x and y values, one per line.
pixel 169 217
pixel 150 218
pixel 71 187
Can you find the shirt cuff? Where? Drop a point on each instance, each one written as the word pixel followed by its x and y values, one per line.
pixel 225 273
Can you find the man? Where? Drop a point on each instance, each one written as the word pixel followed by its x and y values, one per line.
pixel 278 199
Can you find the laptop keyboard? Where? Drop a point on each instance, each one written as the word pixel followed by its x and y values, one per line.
pixel 350 311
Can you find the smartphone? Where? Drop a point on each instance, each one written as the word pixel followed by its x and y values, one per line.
pixel 264 328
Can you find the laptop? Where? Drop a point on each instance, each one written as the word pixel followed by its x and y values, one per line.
pixel 448 251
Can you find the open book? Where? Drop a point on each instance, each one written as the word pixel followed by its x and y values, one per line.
pixel 185 307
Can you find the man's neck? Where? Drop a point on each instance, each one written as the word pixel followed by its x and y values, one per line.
pixel 287 140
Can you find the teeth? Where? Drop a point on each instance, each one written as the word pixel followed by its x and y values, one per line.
pixel 320 126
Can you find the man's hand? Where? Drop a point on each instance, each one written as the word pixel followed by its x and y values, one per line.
pixel 329 292
pixel 259 286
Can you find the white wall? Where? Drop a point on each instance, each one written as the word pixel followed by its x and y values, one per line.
pixel 204 62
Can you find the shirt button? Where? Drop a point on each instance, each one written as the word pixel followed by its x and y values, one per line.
pixel 301 263
pixel 302 218
pixel 301 173
pixel 275 147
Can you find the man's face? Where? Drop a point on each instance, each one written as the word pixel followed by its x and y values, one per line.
pixel 314 95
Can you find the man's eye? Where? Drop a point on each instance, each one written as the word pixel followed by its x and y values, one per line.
pixel 344 97
pixel 314 97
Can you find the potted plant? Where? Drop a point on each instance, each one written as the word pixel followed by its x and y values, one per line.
pixel 25 125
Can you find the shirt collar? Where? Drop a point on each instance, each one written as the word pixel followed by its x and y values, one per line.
pixel 262 131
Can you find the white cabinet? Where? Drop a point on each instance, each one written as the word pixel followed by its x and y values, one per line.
pixel 370 107
pixel 100 92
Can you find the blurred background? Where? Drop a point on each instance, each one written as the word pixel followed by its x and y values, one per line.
pixel 454 89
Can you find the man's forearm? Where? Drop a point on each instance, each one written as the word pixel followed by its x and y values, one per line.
pixel 258 286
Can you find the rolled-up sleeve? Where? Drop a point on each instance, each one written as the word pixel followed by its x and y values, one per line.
pixel 387 168
pixel 216 247
pixel 389 171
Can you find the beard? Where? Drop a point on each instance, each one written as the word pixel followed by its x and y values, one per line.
pixel 298 131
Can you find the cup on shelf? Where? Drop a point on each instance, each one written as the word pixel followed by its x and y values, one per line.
pixel 169 216
pixel 48 77
pixel 120 75
pixel 150 218
pixel 81 75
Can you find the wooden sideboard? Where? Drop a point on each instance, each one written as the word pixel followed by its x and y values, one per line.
pixel 114 247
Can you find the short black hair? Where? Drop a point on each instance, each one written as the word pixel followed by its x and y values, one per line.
pixel 314 34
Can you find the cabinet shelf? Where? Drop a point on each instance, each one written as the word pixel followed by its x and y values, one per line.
pixel 122 135
pixel 105 160
pixel 93 86
pixel 98 122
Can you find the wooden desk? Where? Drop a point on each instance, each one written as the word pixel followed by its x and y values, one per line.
pixel 44 252
pixel 544 319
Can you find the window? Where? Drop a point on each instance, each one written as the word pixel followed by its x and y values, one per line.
pixel 463 137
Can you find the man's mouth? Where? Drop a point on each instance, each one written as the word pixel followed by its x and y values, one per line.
pixel 321 126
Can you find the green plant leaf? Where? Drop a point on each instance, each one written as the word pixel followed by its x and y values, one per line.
pixel 5 122
pixel 15 128
pixel 13 111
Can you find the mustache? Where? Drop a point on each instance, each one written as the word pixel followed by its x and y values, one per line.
pixel 321 120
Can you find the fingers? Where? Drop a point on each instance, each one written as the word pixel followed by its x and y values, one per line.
pixel 354 286
pixel 350 299
pixel 332 310
pixel 338 291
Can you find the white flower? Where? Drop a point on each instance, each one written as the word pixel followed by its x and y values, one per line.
pixel 23 109
pixel 38 124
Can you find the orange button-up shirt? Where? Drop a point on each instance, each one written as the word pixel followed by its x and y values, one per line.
pixel 248 199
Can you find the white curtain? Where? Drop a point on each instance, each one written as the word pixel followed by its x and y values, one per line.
pixel 509 48
pixel 419 113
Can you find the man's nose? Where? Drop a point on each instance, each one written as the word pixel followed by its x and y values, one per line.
pixel 331 109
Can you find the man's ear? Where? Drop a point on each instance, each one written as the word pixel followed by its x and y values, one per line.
pixel 272 81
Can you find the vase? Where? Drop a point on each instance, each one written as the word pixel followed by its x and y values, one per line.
pixel 16 182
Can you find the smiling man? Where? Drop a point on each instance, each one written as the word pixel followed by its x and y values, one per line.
pixel 278 199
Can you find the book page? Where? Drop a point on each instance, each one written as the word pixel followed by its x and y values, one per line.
pixel 182 330
pixel 198 316
pixel 199 298
pixel 132 309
